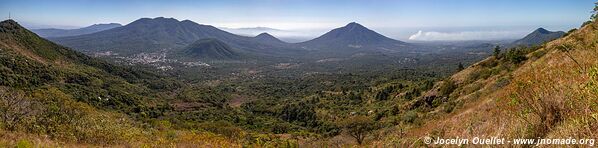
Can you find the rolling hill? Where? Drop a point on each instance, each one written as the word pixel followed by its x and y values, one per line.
pixel 210 49
pixel 52 32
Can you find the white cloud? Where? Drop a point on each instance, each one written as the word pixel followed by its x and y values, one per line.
pixel 465 35
pixel 296 35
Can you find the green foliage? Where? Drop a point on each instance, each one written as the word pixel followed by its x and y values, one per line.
pixel 24 144
pixel 410 117
pixel 303 113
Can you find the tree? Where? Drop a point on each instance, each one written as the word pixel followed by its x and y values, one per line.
pixel 359 127
pixel 594 12
pixel 516 56
pixel 460 67
pixel 497 51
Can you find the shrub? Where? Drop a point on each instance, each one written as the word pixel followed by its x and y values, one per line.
pixel 503 81
pixel 24 144
pixel 516 56
pixel 538 54
pixel 410 117
pixel 449 107
pixel 15 109
pixel 447 87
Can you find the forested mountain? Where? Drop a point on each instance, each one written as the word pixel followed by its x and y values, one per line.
pixel 52 32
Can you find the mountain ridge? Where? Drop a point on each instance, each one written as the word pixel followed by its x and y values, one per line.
pixel 153 34
pixel 53 32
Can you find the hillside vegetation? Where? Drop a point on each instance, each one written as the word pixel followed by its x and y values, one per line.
pixel 548 91
pixel 53 96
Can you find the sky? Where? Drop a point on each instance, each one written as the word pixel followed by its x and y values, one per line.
pixel 417 20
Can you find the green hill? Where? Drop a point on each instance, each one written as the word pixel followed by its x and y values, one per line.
pixel 210 49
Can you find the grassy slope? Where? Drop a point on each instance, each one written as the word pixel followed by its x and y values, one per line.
pixel 547 96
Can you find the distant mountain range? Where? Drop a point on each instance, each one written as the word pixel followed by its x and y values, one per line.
pixel 148 35
pixel 538 37
pixel 169 34
pixel 165 34
pixel 52 32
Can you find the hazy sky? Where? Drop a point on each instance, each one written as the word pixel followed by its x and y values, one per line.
pixel 400 19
